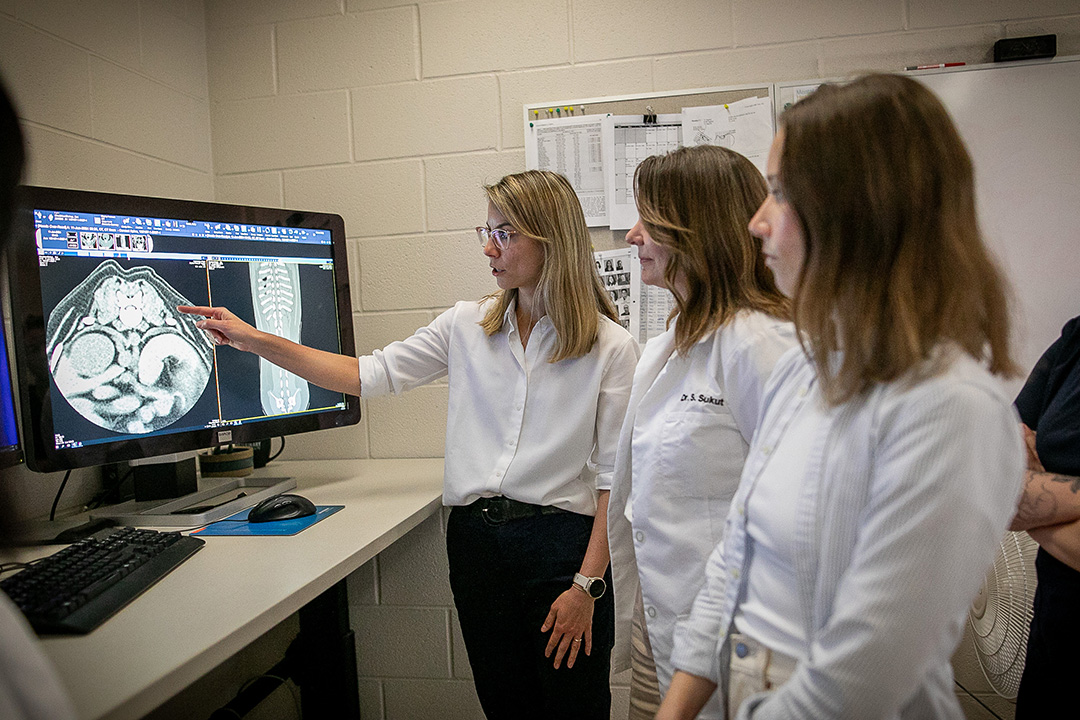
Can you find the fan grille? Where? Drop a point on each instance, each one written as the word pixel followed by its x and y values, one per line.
pixel 1001 615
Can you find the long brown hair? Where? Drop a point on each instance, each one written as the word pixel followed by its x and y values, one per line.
pixel 543 205
pixel 696 202
pixel 895 263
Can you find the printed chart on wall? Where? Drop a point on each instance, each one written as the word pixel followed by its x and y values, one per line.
pixel 598 154
pixel 575 148
pixel 634 140
pixel 643 309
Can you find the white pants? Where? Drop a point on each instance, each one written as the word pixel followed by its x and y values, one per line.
pixel 754 668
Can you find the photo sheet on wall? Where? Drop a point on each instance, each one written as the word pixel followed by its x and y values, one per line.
pixel 643 309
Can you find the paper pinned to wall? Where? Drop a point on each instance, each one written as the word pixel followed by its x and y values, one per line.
pixel 574 147
pixel 745 126
pixel 643 309
pixel 633 140
pixel 791 94
pixel 620 274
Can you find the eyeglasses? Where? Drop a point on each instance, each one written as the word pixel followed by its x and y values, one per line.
pixel 500 237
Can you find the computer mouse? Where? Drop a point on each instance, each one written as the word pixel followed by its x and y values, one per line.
pixel 281 507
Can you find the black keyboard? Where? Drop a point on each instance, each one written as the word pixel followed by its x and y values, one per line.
pixel 73 591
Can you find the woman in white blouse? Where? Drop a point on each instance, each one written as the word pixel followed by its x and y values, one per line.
pixel 887 463
pixel 539 375
pixel 696 396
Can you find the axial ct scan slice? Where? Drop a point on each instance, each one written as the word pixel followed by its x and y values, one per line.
pixel 120 353
pixel 275 293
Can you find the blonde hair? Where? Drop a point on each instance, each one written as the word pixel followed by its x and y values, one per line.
pixel 895 263
pixel 696 202
pixel 543 206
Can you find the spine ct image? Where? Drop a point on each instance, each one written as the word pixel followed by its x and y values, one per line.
pixel 275 292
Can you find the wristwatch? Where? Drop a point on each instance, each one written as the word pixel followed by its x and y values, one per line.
pixel 594 587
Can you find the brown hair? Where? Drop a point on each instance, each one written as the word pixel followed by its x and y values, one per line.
pixel 895 263
pixel 543 205
pixel 696 202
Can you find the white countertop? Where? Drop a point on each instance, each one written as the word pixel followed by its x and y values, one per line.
pixel 236 588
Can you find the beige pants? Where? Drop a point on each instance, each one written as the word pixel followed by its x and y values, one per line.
pixel 644 687
pixel 754 668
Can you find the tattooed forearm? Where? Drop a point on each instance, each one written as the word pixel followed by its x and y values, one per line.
pixel 1048 499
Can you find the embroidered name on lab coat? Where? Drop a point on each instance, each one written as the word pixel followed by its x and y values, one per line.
pixel 696 397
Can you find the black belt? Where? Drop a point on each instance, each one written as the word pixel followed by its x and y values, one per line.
pixel 500 509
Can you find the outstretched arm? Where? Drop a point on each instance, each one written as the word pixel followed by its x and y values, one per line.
pixel 325 369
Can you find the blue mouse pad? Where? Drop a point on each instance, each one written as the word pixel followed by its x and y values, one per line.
pixel 238 525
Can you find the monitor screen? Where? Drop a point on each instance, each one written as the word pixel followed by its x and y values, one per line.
pixel 10 453
pixel 109 370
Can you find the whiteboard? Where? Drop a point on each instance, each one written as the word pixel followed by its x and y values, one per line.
pixel 1021 124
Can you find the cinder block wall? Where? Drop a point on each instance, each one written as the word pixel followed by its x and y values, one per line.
pixel 113 97
pixel 392 113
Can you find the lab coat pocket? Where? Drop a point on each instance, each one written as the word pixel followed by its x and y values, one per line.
pixel 701 455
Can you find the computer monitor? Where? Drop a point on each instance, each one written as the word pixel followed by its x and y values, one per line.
pixel 10 452
pixel 109 371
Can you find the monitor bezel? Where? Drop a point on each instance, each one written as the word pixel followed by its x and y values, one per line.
pixel 28 325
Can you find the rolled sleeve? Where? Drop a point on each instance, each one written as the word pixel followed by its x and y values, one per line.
pixel 618 379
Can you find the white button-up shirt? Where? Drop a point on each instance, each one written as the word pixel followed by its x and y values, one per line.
pixel 907 491
pixel 520 426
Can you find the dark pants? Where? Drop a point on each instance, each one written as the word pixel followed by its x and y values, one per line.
pixel 1051 667
pixel 505 575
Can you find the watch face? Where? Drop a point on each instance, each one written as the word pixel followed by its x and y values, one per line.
pixel 597 588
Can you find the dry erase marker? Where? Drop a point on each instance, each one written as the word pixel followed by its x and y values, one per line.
pixel 933 67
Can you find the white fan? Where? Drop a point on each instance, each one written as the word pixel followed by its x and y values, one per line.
pixel 1001 614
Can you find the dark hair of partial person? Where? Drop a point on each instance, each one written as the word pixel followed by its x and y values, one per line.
pixel 543 205
pixel 12 156
pixel 697 202
pixel 895 263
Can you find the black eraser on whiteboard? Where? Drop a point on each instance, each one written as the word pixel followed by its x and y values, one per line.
pixel 1025 48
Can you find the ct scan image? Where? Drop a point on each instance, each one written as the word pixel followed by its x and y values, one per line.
pixel 275 294
pixel 120 353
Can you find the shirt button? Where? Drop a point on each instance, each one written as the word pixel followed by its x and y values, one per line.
pixel 735 573
pixel 742 510
pixel 741 650
pixel 803 390
pixel 498 473
pixel 651 612
pixel 512 443
pixel 766 449
pixel 639 536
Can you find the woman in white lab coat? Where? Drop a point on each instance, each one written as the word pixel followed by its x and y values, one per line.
pixel 695 399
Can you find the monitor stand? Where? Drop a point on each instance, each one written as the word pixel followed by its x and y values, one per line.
pixel 217 498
